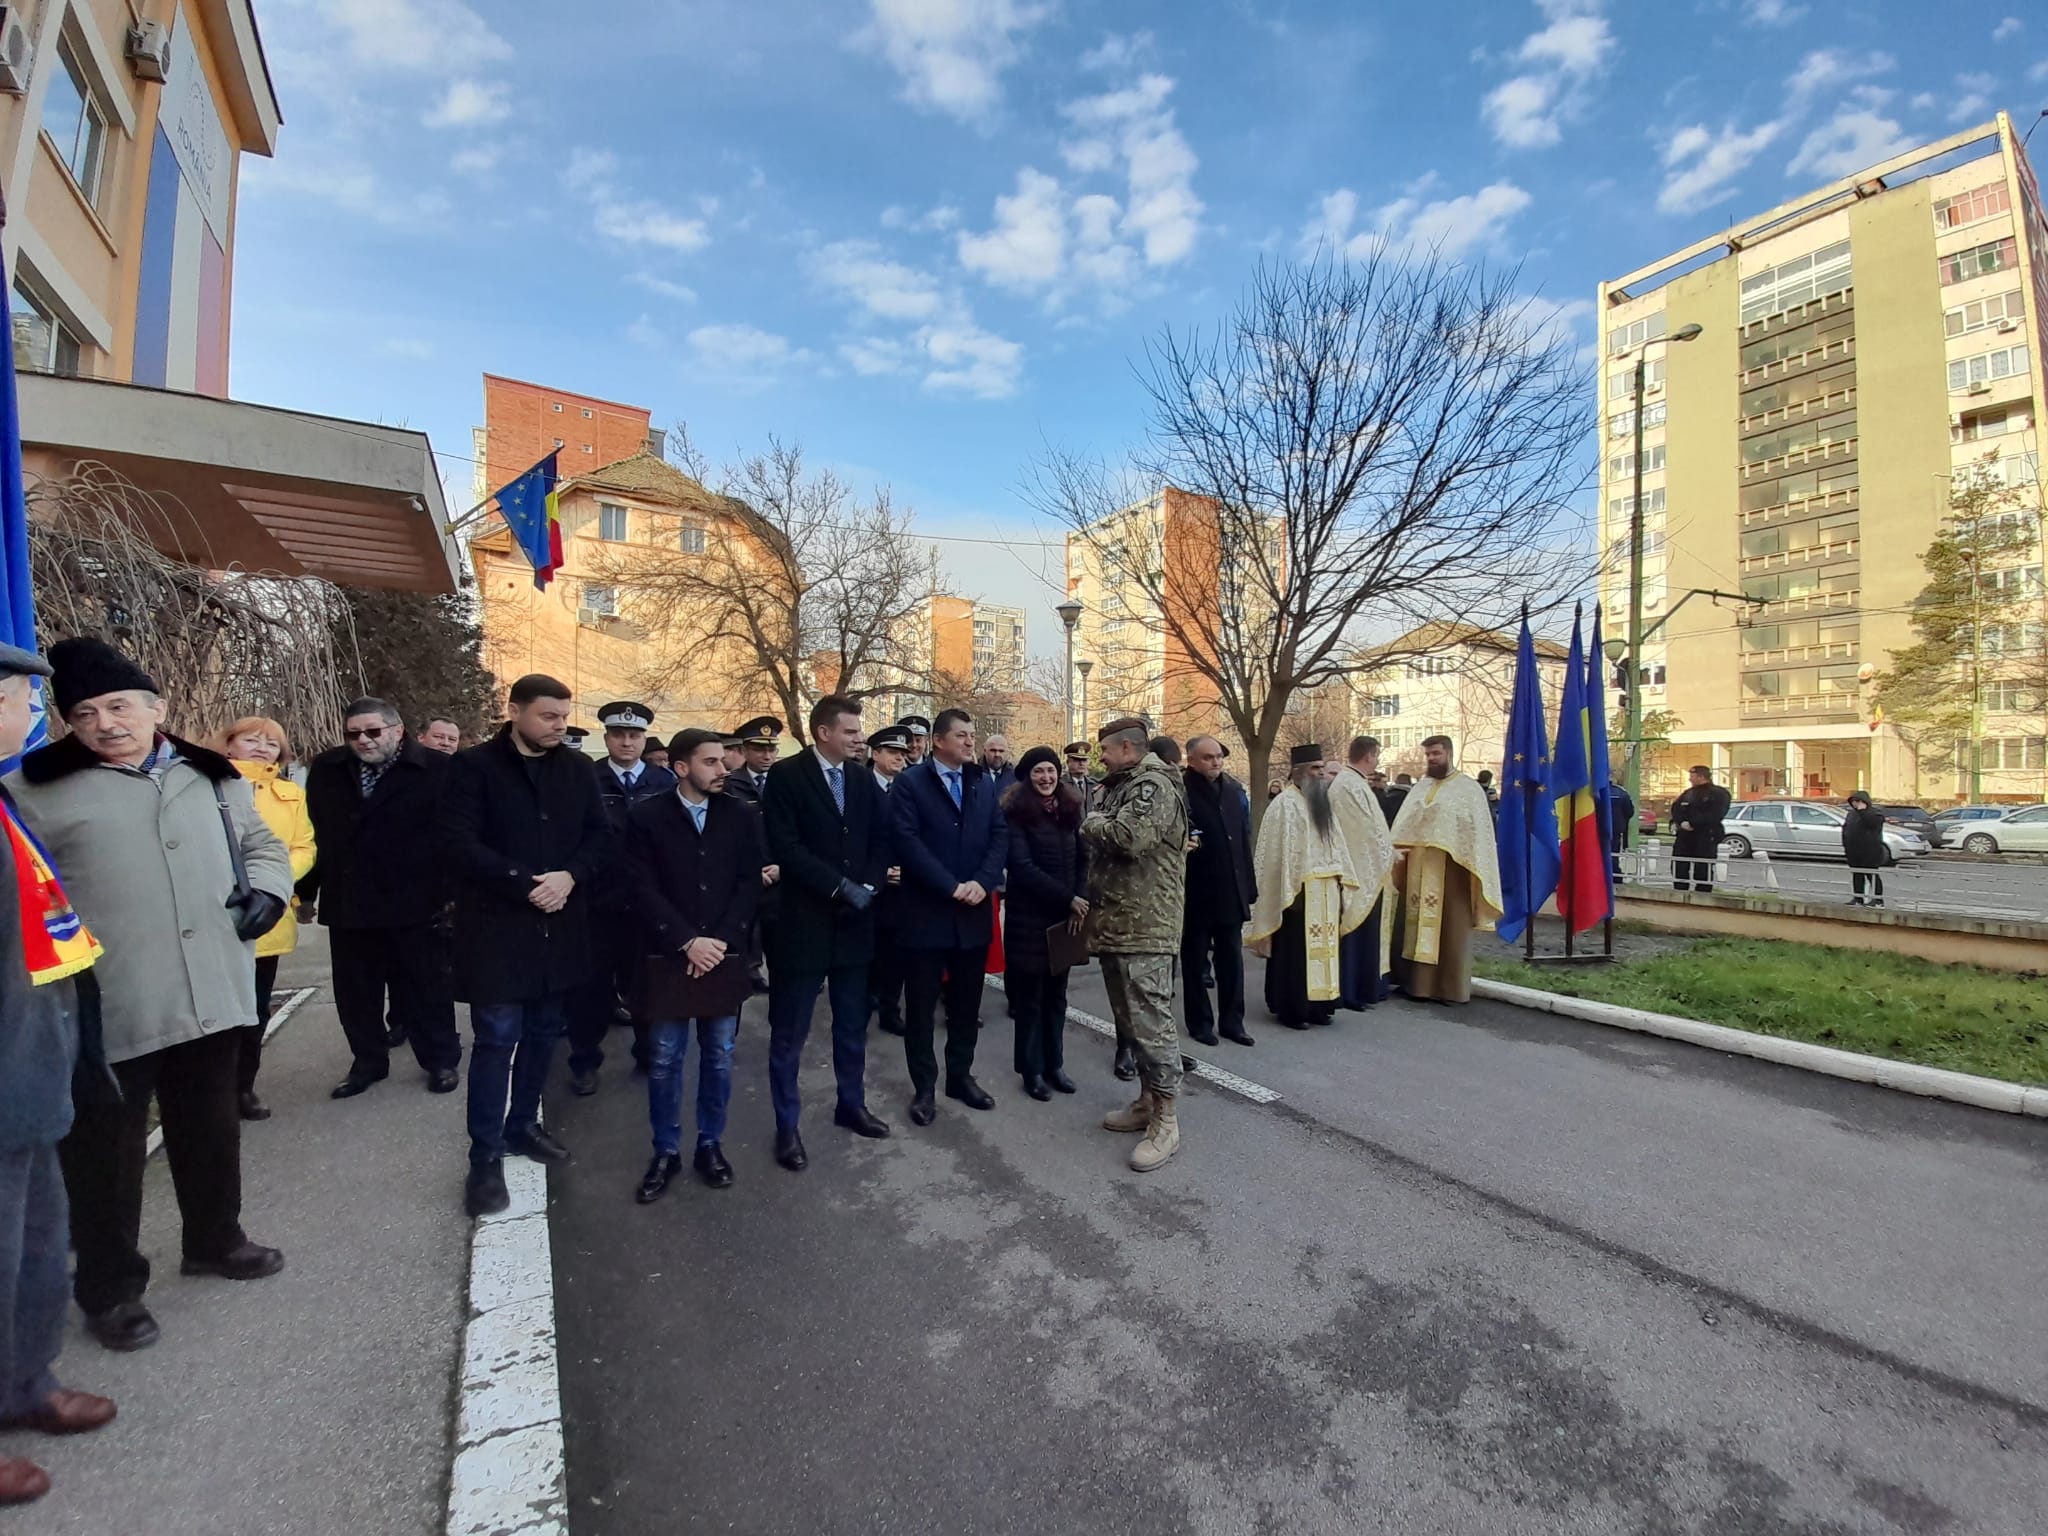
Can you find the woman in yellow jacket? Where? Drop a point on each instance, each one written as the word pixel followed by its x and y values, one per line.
pixel 261 753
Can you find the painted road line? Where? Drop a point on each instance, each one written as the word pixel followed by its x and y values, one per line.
pixel 277 1018
pixel 1230 1082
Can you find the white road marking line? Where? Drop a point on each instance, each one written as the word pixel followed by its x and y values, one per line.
pixel 1230 1082
pixel 277 1018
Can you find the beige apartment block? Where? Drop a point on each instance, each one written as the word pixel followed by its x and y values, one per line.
pixel 1859 348
pixel 1446 679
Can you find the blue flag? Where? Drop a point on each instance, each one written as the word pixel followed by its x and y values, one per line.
pixel 1527 832
pixel 532 510
pixel 17 598
pixel 1602 771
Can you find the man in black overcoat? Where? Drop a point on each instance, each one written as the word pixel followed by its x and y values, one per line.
pixel 1697 818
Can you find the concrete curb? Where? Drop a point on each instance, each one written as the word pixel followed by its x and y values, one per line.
pixel 1900 1076
pixel 510 1473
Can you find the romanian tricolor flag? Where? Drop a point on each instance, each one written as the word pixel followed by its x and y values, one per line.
pixel 1583 893
pixel 530 509
pixel 54 942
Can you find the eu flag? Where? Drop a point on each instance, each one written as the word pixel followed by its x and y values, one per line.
pixel 17 598
pixel 529 508
pixel 1603 772
pixel 1527 834
pixel 1583 889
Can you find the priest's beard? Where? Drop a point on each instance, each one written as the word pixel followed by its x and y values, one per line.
pixel 1316 791
pixel 1443 772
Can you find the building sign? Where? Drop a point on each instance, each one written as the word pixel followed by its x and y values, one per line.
pixel 192 123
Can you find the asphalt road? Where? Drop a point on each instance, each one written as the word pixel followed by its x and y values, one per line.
pixel 1951 887
pixel 1475 1271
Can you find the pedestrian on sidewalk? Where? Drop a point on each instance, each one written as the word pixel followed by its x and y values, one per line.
pixel 262 754
pixel 1863 846
pixel 525 835
pixel 45 1039
pixel 1697 821
pixel 1365 953
pixel 951 841
pixel 380 885
pixel 692 863
pixel 175 873
pixel 1221 888
pixel 1048 885
pixel 1137 883
pixel 825 819
pixel 888 755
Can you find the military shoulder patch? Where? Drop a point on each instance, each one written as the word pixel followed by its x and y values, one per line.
pixel 1147 791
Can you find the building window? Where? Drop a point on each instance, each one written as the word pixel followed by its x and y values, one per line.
pixel 599 602
pixel 1979 261
pixel 1625 506
pixel 1623 465
pixel 1986 366
pixel 1624 338
pixel 1968 207
pixel 42 344
pixel 1996 423
pixel 586 448
pixel 73 120
pixel 1622 384
pixel 2013 754
pixel 1983 313
pixel 2008 698
pixel 586 413
pixel 691 539
pixel 558 442
pixel 1793 283
pixel 1623 423
pixel 2014 581
pixel 611 522
pixel 556 407
pixel 1383 705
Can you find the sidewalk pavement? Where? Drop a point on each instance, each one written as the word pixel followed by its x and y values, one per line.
pixel 315 1403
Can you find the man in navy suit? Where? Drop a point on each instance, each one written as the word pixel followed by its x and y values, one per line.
pixel 950 843
pixel 825 819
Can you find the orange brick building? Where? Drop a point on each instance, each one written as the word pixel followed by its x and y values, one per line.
pixel 524 422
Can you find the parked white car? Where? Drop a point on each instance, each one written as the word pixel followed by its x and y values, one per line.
pixel 1802 829
pixel 2024 830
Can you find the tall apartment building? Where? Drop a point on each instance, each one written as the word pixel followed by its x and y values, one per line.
pixel 999 648
pixel 1859 348
pixel 954 643
pixel 1446 679
pixel 524 423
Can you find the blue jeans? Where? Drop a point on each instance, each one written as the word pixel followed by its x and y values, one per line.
pixel 514 1046
pixel 34 1279
pixel 790 1001
pixel 667 1040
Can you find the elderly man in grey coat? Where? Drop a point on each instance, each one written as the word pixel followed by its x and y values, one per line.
pixel 170 865
pixel 43 947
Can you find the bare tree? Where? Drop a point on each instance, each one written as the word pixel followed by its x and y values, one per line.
pixel 1358 449
pixel 803 587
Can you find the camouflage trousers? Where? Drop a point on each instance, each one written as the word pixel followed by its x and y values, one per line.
pixel 1141 1002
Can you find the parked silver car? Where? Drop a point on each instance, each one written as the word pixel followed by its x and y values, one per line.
pixel 2022 829
pixel 1804 830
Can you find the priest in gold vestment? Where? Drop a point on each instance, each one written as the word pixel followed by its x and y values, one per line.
pixel 1309 897
pixel 1448 876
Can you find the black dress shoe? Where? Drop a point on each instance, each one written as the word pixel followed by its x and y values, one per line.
pixel 1295 1023
pixel 1208 1038
pixel 1126 1062
pixel 1035 1088
pixel 583 1084
pixel 484 1192
pixel 355 1083
pixel 890 1026
pixel 860 1122
pixel 1060 1080
pixel 249 1261
pixel 922 1110
pixel 654 1182
pixel 537 1144
pixel 125 1326
pixel 253 1108
pixel 970 1093
pixel 712 1167
pixel 1238 1037
pixel 789 1151
pixel 443 1080
pixel 394 1036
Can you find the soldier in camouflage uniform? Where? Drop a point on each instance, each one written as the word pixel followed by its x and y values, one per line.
pixel 1137 883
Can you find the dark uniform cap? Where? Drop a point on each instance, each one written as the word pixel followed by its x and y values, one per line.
pixel 761 731
pixel 1077 749
pixel 917 725
pixel 625 716
pixel 1119 727
pixel 577 734
pixel 16 662
pixel 1303 755
pixel 890 736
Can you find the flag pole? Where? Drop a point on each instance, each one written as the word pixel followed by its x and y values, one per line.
pixel 1528 834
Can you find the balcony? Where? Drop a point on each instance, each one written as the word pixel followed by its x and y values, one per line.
pixel 1751 564
pixel 1800 362
pixel 1804 506
pixel 1819 405
pixel 1836 702
pixel 1813 453
pixel 1832 650
pixel 1812 602
pixel 1812 309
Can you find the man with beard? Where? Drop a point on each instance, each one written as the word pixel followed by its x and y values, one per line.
pixel 1309 896
pixel 1448 876
pixel 1221 889
pixel 1362 821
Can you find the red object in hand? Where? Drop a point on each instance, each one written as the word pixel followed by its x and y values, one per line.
pixel 995 946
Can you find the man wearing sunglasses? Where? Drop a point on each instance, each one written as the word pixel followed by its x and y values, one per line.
pixel 381 887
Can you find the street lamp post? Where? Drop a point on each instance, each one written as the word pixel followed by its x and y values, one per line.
pixel 1085 668
pixel 1634 776
pixel 1070 615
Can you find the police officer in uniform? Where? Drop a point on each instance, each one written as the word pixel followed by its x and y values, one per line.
pixel 760 743
pixel 1696 820
pixel 888 755
pixel 623 780
pixel 920 730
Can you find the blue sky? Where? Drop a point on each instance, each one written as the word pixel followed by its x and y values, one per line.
pixel 927 237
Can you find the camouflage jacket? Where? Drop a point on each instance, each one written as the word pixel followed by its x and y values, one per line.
pixel 1137 862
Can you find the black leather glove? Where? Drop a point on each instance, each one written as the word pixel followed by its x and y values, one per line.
pixel 255 914
pixel 858 897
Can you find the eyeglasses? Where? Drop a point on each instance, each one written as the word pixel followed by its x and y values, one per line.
pixel 365 733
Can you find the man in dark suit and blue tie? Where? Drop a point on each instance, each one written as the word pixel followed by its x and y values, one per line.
pixel 950 843
pixel 827 830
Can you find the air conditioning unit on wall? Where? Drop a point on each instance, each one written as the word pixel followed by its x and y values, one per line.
pixel 149 50
pixel 15 51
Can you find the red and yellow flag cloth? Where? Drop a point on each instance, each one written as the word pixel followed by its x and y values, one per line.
pixel 55 943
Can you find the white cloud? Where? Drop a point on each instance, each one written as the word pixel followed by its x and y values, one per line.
pixel 1027 247
pixel 471 104
pixel 477 159
pixel 1119 52
pixel 351 186
pixel 884 289
pixel 1161 211
pixel 1702 164
pixel 742 351
pixel 618 215
pixel 875 355
pixel 951 54
pixel 968 360
pixel 1529 110
pixel 1853 139
pixel 1828 69
pixel 1978 92
pixel 1451 226
pixel 2011 26
pixel 663 286
pixel 1924 101
pixel 1771 13
pixel 935 220
pixel 418 36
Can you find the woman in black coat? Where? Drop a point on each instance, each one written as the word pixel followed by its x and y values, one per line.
pixel 1863 844
pixel 1048 884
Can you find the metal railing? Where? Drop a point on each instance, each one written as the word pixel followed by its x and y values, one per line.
pixel 1799 362
pixel 1789 557
pixel 1802 506
pixel 1833 400
pixel 1834 448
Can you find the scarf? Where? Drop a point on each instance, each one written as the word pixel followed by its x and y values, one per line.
pixel 54 942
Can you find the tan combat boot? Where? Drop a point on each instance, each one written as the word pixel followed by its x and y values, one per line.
pixel 1162 1139
pixel 1136 1117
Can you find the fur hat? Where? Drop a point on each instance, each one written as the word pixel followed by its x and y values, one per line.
pixel 84 667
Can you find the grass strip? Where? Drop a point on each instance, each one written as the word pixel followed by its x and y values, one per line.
pixel 1992 1023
